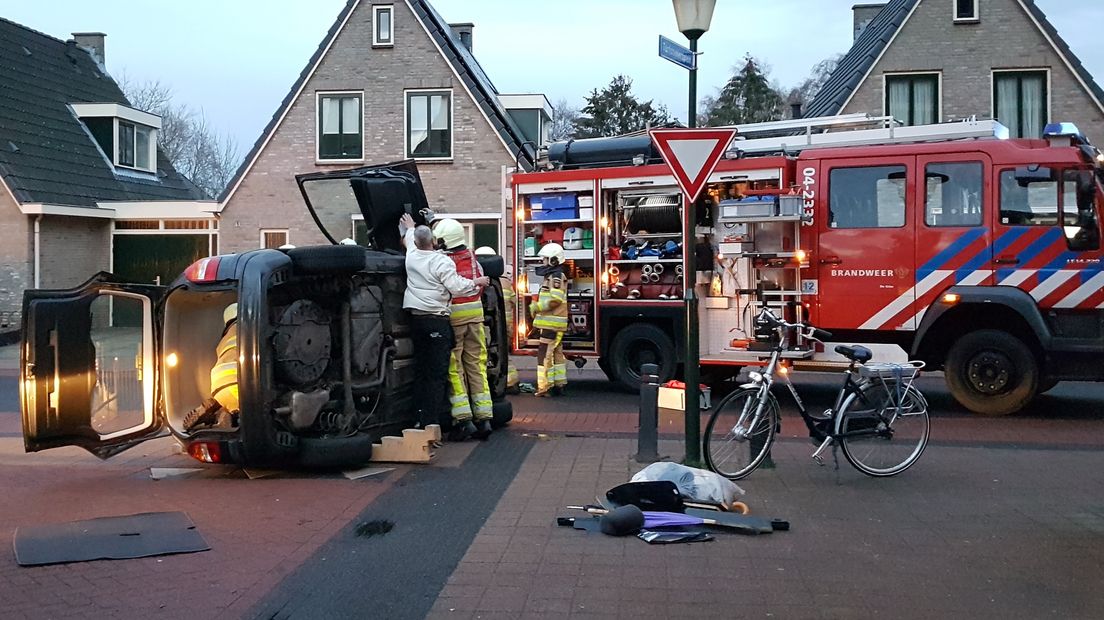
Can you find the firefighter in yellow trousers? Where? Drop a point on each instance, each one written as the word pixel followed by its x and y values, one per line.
pixel 471 394
pixel 509 300
pixel 550 318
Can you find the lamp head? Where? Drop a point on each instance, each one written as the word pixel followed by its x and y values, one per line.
pixel 693 16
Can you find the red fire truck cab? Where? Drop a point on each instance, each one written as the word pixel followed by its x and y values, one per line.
pixel 947 243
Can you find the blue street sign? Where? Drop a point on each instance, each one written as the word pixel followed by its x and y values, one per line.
pixel 676 53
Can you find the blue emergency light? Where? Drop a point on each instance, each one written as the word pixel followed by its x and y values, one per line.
pixel 1064 130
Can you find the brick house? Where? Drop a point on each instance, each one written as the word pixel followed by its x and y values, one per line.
pixel 925 61
pixel 83 185
pixel 390 80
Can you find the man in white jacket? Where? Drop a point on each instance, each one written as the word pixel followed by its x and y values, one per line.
pixel 431 282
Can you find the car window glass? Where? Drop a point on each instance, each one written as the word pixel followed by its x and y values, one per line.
pixel 1028 202
pixel 120 402
pixel 953 196
pixel 867 197
pixel 334 204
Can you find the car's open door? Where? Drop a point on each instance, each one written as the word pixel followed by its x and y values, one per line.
pixel 379 194
pixel 90 365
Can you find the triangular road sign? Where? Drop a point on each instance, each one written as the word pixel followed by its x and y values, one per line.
pixel 692 154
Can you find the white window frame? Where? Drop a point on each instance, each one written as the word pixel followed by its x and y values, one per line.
pixel 318 126
pixel 269 231
pixel 938 89
pixel 376 10
pixel 993 88
pixel 452 124
pixel 975 18
pixel 152 148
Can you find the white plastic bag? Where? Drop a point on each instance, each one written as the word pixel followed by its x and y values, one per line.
pixel 694 484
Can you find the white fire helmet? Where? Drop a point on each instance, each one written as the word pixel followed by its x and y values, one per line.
pixel 552 253
pixel 485 250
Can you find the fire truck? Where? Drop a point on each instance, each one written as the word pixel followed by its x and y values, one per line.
pixel 949 243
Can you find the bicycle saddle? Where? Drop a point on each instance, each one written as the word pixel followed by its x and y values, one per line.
pixel 855 353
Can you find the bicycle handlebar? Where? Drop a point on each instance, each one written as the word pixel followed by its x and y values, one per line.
pixel 809 331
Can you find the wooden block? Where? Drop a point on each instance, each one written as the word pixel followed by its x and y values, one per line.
pixel 413 447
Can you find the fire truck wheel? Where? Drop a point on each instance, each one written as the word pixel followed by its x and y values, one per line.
pixel 637 344
pixel 991 372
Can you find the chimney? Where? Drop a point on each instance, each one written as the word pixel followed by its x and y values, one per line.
pixel 795 109
pixel 94 43
pixel 464 32
pixel 863 15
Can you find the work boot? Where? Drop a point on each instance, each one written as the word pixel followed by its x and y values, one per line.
pixel 559 390
pixel 461 430
pixel 483 429
pixel 544 394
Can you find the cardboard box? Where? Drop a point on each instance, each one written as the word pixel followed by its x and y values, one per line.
pixel 675 398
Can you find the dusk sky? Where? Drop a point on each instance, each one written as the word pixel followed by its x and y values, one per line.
pixel 237 59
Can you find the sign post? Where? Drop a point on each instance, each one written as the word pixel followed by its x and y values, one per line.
pixel 692 155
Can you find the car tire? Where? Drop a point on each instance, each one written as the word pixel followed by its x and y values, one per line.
pixel 991 372
pixel 503 413
pixel 323 259
pixel 637 344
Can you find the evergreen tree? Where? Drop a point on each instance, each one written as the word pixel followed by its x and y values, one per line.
pixel 615 110
pixel 748 97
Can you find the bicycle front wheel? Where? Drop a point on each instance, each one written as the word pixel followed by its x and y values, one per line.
pixel 735 443
pixel 890 430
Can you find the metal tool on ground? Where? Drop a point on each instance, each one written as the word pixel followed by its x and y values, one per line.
pixel 740 524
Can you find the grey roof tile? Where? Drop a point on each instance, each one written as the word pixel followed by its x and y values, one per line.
pixel 55 160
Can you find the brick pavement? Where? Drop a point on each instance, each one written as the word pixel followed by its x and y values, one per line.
pixel 967 532
pixel 982 525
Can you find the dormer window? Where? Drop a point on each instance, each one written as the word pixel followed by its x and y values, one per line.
pixel 966 11
pixel 134 146
pixel 127 137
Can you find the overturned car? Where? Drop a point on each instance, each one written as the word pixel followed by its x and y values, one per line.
pixel 324 360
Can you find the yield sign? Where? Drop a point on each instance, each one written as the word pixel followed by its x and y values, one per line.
pixel 692 154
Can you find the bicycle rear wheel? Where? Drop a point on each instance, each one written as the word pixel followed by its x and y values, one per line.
pixel 732 448
pixel 900 433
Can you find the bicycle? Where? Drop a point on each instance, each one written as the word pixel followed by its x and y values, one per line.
pixel 879 419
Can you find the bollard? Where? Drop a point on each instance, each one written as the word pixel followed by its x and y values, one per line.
pixel 647 436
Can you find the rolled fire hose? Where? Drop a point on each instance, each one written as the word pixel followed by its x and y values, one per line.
pixel 614 271
pixel 658 268
pixel 678 269
pixel 646 271
pixel 654 278
pixel 634 294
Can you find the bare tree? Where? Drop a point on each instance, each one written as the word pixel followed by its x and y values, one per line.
pixel 818 76
pixel 195 149
pixel 563 121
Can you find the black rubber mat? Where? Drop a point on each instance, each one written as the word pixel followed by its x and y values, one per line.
pixel 108 538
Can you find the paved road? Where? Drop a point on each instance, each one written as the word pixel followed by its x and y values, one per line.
pixel 1000 518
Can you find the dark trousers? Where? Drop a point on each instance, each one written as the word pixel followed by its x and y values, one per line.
pixel 433 342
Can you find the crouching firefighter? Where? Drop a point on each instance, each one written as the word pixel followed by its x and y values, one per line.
pixel 220 408
pixel 471 394
pixel 550 319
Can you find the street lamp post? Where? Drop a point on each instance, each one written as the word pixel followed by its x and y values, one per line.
pixel 693 17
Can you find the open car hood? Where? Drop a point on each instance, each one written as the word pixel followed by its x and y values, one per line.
pixel 380 193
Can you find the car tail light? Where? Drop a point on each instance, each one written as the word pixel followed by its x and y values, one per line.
pixel 203 270
pixel 206 451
